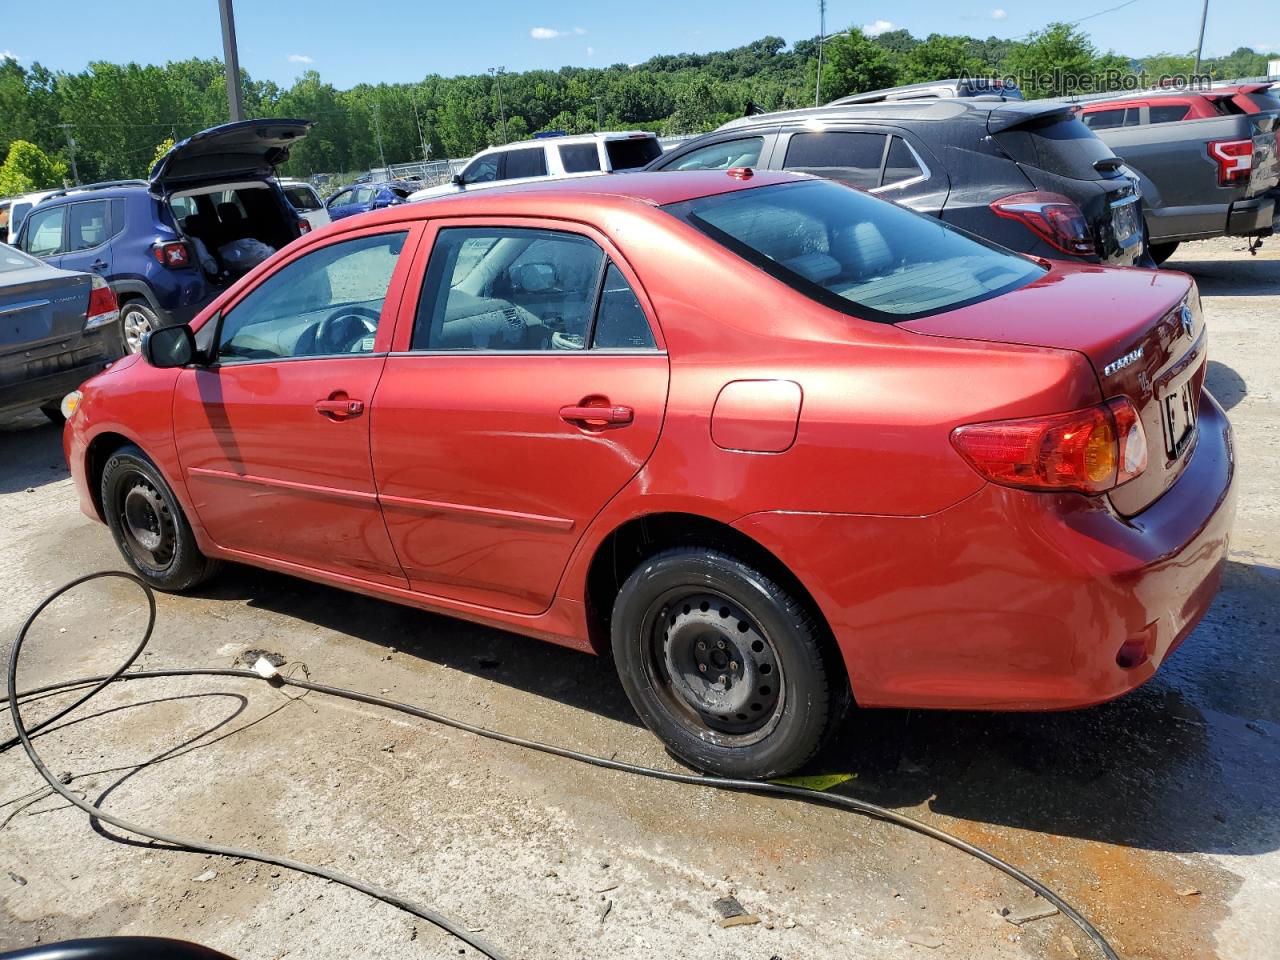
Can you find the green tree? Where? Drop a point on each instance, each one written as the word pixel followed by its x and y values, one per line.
pixel 939 57
pixel 27 168
pixel 163 147
pixel 1054 62
pixel 853 63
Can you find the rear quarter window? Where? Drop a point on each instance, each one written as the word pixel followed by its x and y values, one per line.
pixel 856 253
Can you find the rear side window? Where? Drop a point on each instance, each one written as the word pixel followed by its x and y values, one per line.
pixel 87 225
pixel 44 231
pixel 620 321
pixel 632 153
pixel 1168 112
pixel 579 157
pixel 856 253
pixel 525 163
pixel 852 158
pixel 721 156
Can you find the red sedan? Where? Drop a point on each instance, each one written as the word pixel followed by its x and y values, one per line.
pixel 773 443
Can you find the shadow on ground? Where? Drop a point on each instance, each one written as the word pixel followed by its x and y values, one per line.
pixel 1244 276
pixel 1227 386
pixel 30 452
pixel 1170 767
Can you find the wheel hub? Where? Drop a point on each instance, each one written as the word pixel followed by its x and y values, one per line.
pixel 719 663
pixel 144 513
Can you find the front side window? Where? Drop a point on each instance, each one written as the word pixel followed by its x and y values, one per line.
pixel 44 231
pixel 721 156
pixel 854 252
pixel 579 157
pixel 852 158
pixel 326 303
pixel 340 198
pixel 516 289
pixel 530 162
pixel 87 224
pixel 482 169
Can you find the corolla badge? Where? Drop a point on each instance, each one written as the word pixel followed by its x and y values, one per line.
pixel 1188 320
pixel 1115 366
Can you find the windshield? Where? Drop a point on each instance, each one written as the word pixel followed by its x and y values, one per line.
pixel 864 256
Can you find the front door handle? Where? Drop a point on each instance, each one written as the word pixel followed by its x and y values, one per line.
pixel 340 407
pixel 98 265
pixel 602 416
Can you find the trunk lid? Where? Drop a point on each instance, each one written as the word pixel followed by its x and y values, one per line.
pixel 40 305
pixel 1142 332
pixel 247 149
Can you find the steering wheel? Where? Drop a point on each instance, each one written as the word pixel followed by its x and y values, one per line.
pixel 344 329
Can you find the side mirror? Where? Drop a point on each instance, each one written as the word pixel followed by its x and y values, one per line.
pixel 459 180
pixel 170 347
pixel 534 277
pixel 4 234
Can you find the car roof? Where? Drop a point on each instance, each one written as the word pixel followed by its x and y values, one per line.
pixel 936 109
pixel 601 136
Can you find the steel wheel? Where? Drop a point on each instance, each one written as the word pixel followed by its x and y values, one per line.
pixel 136 324
pixel 715 668
pixel 150 532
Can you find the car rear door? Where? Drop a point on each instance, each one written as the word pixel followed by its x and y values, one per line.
pixel 527 386
pixel 886 161
pixel 273 434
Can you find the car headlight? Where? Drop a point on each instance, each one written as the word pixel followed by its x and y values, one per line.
pixel 71 403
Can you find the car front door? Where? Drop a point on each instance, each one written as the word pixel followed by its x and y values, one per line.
pixel 526 388
pixel 89 232
pixel 43 233
pixel 344 204
pixel 273 433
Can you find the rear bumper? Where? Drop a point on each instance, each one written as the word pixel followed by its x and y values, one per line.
pixel 1011 600
pixel 1254 217
pixel 38 391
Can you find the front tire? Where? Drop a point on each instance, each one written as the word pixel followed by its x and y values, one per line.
pixel 1160 252
pixel 54 412
pixel 136 321
pixel 148 524
pixel 724 665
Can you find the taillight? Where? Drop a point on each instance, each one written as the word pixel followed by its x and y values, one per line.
pixel 304 226
pixel 1235 160
pixel 1089 451
pixel 1055 218
pixel 173 254
pixel 103 308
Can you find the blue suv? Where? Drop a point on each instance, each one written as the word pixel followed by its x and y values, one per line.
pixel 211 210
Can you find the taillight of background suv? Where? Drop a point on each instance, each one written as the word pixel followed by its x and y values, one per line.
pixel 1053 217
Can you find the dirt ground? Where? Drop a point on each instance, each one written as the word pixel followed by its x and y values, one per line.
pixel 1156 815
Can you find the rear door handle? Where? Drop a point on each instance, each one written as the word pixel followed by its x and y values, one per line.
pixel 598 416
pixel 340 409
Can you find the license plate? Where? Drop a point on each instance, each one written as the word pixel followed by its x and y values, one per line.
pixel 1124 223
pixel 1179 410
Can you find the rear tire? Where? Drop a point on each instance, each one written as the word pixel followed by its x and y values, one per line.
pixel 1160 252
pixel 137 319
pixel 148 524
pixel 724 665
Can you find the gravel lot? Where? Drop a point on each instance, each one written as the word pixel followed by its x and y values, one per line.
pixel 1156 815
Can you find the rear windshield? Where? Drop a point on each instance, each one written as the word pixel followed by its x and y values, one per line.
pixel 859 254
pixel 1059 143
pixel 630 154
pixel 11 259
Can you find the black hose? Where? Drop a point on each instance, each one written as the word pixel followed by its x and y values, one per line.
pixel 722 783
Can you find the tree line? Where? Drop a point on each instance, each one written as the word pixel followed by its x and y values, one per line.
pixel 118 115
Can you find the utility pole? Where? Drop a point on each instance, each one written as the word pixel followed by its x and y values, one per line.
pixel 1204 15
pixel 377 132
pixel 599 113
pixel 422 138
pixel 496 73
pixel 235 101
pixel 822 39
pixel 71 149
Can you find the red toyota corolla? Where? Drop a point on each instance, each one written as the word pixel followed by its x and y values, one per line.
pixel 774 443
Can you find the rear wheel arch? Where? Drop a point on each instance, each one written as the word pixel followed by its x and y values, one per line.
pixel 640 538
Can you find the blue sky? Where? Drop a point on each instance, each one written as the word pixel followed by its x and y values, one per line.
pixel 400 40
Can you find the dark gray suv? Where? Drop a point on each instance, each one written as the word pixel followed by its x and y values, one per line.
pixel 1028 176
